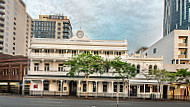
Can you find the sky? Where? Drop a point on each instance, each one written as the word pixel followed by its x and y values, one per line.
pixel 138 21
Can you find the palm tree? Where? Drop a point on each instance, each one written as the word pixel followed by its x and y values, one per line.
pixel 85 63
pixel 183 75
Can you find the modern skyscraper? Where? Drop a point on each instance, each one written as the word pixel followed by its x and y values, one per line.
pixel 176 15
pixel 52 26
pixel 15 27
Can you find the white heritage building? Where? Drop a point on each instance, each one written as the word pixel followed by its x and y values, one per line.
pixel 47 74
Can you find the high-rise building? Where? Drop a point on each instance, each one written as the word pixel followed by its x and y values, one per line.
pixel 52 26
pixel 176 15
pixel 15 27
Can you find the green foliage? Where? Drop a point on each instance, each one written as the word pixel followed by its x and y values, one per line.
pixel 159 75
pixel 183 75
pixel 124 70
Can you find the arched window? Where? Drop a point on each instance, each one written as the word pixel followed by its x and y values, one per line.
pixel 138 69
pixel 155 67
pixel 133 65
pixel 150 67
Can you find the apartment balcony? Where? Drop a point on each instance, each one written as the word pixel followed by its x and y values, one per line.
pixel 2 6
pixel 2 17
pixel 66 27
pixel 2 23
pixel 66 31
pixel 2 1
pixel 181 56
pixel 2 11
pixel 182 44
pixel 1 39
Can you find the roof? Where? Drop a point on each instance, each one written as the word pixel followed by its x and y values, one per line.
pixel 6 57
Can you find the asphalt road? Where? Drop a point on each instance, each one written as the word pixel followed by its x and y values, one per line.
pixel 44 102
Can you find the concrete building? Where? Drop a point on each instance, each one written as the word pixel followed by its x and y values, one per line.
pixel 15 27
pixel 47 74
pixel 176 15
pixel 52 26
pixel 175 47
pixel 12 70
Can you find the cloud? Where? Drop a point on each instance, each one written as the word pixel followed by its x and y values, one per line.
pixel 140 21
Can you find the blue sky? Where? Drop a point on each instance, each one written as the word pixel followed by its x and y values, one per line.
pixel 139 21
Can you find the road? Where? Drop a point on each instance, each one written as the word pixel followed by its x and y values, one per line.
pixel 46 102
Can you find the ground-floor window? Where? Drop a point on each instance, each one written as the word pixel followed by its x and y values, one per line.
pixel 154 88
pixel 121 87
pixel 142 88
pixel 147 88
pixel 46 85
pixel 104 87
pixel 115 87
pixel 94 87
pixel 59 88
pixel 84 87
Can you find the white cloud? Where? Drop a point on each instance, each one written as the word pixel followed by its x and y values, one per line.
pixel 140 21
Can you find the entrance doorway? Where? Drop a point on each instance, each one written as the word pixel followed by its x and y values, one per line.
pixel 165 91
pixel 133 91
pixel 73 88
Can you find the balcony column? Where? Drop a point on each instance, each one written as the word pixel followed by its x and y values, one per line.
pixel 112 89
pixel 42 67
pixel 67 53
pixel 42 52
pixel 96 88
pixel 42 87
pixel 168 93
pixel 78 51
pixel 61 88
pixel 31 65
pixel 129 90
pixel 114 54
pixel 144 92
pixel 54 52
pixel 79 89
pixel 54 66
pixel 102 53
pixel 178 61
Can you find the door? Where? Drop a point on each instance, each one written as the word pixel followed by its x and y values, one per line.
pixel 73 88
pixel 133 91
pixel 165 91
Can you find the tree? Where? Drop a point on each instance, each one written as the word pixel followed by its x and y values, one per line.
pixel 123 70
pixel 183 75
pixel 85 63
pixel 160 75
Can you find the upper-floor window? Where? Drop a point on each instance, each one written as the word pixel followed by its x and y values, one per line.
pixel 37 51
pixel 46 68
pixel 96 52
pixel 107 52
pixel 150 67
pixel 47 51
pixel 36 66
pixel 118 53
pixel 60 68
pixel 154 50
pixel 59 24
pixel 155 67
pixel 74 52
pixel 138 68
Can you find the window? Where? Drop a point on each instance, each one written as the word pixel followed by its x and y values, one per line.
pixel 104 86
pixel 6 50
pixel 6 39
pixel 65 88
pixel 155 67
pixel 84 87
pixel 7 12
pixel 7 23
pixel 142 88
pixel 96 53
pixel 8 7
pixel 14 33
pixel 6 44
pixel 14 38
pixel 59 24
pixel 59 88
pixel 74 52
pixel 147 88
pixel 46 67
pixel 46 85
pixel 119 53
pixel 36 51
pixel 154 50
pixel 47 51
pixel 58 33
pixel 61 51
pixel 150 67
pixel 7 17
pixel 107 53
pixel 115 87
pixel 94 86
pixel 36 66
pixel 6 34
pixel 121 87
pixel 155 88
pixel 59 29
pixel 7 29
pixel 138 68
pixel 60 67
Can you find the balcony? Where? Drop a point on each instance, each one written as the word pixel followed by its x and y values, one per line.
pixel 2 1
pixel 182 44
pixel 2 17
pixel 1 39
pixel 181 56
pixel 2 11
pixel 2 6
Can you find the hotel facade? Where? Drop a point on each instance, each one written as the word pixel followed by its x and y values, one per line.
pixel 47 74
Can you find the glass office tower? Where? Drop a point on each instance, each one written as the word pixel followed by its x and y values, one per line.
pixel 176 15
